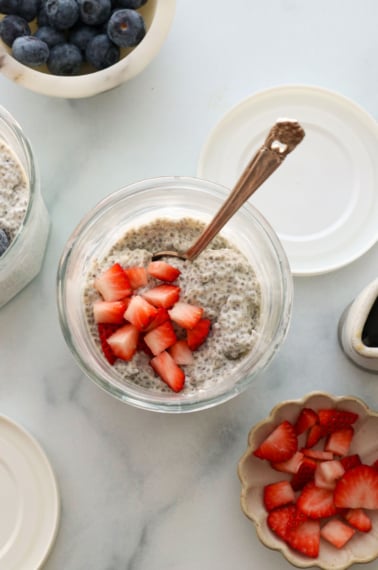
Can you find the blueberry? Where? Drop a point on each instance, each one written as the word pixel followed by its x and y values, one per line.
pixel 42 17
pixel 50 36
pixel 132 4
pixel 12 27
pixel 126 28
pixel 8 6
pixel 101 52
pixel 4 242
pixel 65 59
pixel 94 12
pixel 80 35
pixel 28 9
pixel 62 14
pixel 30 50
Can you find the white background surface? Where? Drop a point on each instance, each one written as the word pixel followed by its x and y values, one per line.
pixel 143 491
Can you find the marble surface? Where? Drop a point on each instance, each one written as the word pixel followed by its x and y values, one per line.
pixel 141 490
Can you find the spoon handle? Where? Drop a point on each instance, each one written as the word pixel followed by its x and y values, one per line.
pixel 283 137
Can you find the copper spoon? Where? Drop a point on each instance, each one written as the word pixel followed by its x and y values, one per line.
pixel 283 137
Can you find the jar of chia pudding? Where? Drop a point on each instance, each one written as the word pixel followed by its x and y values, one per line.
pixel 24 221
pixel 241 281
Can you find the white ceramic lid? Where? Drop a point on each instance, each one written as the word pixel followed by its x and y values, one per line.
pixel 29 501
pixel 323 201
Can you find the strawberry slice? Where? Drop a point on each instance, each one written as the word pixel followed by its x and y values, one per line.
pixel 104 332
pixel 290 465
pixel 124 341
pixel 279 445
pixel 318 454
pixel 198 334
pixel 113 283
pixel 163 295
pixel 185 314
pixel 315 502
pixel 358 519
pixel 109 311
pixel 305 538
pixel 181 353
pixel 306 419
pixel 305 474
pixel 350 461
pixel 337 533
pixel 333 420
pixel 137 276
pixel 283 520
pixel 160 338
pixel 161 317
pixel 169 371
pixel 278 494
pixel 327 473
pixel 163 271
pixel 314 435
pixel 140 312
pixel 358 489
pixel 339 441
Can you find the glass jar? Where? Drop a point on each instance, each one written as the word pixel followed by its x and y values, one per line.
pixel 22 259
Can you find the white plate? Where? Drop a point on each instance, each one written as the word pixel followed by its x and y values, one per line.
pixel 29 501
pixel 323 201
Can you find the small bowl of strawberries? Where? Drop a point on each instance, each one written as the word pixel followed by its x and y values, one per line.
pixel 309 481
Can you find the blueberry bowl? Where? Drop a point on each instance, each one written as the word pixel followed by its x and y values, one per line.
pixel 79 48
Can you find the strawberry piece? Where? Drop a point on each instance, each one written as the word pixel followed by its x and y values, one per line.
pixel 162 296
pixel 315 502
pixel 161 317
pixel 306 419
pixel 197 335
pixel 104 332
pixel 333 420
pixel 169 371
pixel 314 435
pixel 160 338
pixel 278 494
pixel 185 314
pixel 283 520
pixel 358 519
pixel 279 445
pixel 124 341
pixel 140 312
pixel 290 465
pixel 305 538
pixel 318 454
pixel 181 353
pixel 350 461
pixel 304 475
pixel 337 533
pixel 163 271
pixel 137 276
pixel 358 488
pixel 339 441
pixel 113 283
pixel 109 311
pixel 327 473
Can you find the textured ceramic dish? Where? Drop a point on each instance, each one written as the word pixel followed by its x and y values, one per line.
pixel 254 475
pixel 158 16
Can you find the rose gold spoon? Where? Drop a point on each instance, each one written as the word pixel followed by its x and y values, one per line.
pixel 283 137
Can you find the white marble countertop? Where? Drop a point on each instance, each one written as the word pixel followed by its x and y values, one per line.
pixel 141 490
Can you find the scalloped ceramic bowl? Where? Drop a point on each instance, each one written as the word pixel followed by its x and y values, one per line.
pixel 158 16
pixel 255 473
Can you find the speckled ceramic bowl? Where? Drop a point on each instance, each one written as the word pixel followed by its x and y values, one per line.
pixel 158 15
pixel 254 474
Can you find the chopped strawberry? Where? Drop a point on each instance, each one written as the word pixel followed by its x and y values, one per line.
pixel 290 465
pixel 163 295
pixel 358 519
pixel 185 314
pixel 163 271
pixel 197 335
pixel 283 520
pixel 140 312
pixel 109 311
pixel 305 538
pixel 314 435
pixel 278 494
pixel 104 332
pixel 327 473
pixel 337 533
pixel 279 445
pixel 137 276
pixel 350 461
pixel 306 419
pixel 160 338
pixel 113 283
pixel 315 502
pixel 318 454
pixel 333 420
pixel 161 317
pixel 358 488
pixel 304 475
pixel 181 353
pixel 169 371
pixel 339 441
pixel 124 341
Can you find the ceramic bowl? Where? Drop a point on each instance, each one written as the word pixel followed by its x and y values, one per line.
pixel 158 16
pixel 254 474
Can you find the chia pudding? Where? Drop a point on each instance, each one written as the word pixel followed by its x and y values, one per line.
pixel 220 280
